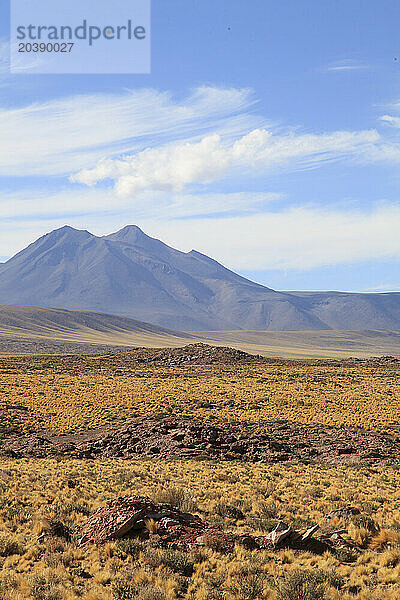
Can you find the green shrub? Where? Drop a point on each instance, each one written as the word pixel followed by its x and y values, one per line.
pixel 42 589
pixel 262 524
pixel 346 555
pixel 123 589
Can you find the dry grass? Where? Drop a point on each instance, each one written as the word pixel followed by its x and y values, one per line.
pixel 238 497
pixel 33 491
pixel 52 396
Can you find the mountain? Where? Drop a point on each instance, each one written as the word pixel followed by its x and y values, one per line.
pixel 131 274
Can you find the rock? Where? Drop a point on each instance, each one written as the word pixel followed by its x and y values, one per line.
pixel 281 532
pixel 200 540
pixel 334 534
pixel 121 516
pixel 171 437
pixel 309 533
pixel 343 513
pixel 128 516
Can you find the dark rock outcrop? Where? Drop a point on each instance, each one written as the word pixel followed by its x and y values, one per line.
pixel 177 438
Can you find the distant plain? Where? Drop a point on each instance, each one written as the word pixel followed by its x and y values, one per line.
pixel 32 329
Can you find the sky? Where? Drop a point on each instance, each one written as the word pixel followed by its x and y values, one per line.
pixel 267 136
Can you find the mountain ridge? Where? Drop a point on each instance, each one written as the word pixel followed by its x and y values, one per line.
pixel 131 274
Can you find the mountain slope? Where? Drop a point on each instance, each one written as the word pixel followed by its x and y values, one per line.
pixel 59 325
pixel 131 274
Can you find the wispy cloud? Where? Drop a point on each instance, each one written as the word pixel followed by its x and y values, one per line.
pixel 159 156
pixel 292 238
pixel 149 140
pixel 174 166
pixel 384 287
pixel 347 64
pixel 295 238
pixel 19 67
pixel 390 120
pixel 4 57
pixel 65 135
pixel 69 203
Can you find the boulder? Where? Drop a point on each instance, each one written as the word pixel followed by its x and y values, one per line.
pixel 309 533
pixel 279 533
pixel 343 513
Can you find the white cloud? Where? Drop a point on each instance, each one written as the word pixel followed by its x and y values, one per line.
pixel 19 66
pixel 68 134
pixel 347 64
pixel 301 238
pixel 174 166
pixel 144 139
pixel 394 121
pixel 4 57
pixel 154 147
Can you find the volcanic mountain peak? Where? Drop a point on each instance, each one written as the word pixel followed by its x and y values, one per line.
pixel 130 233
pixel 68 233
pixel 131 274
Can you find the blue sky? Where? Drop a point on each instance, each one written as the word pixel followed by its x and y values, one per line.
pixel 267 136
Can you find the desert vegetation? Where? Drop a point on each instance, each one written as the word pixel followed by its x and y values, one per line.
pixel 43 500
pixel 232 496
pixel 68 394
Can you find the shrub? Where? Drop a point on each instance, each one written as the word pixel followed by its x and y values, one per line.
pixel 386 538
pixel 249 586
pixel 79 508
pixel 361 535
pixel 130 546
pixel 178 562
pixel 332 578
pixel 177 497
pixel 8 581
pixel 55 559
pixel 346 555
pixel 267 509
pixel 302 585
pixel 42 589
pixel 390 558
pixel 224 509
pixel 123 589
pixel 261 524
pixel 366 522
pixel 151 526
pixel 10 545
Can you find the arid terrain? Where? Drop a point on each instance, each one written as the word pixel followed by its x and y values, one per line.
pixel 240 442
pixel 36 330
